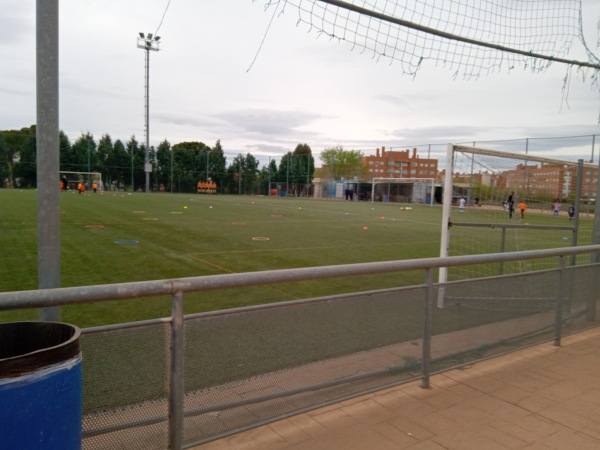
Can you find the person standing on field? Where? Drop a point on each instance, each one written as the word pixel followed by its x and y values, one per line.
pixel 511 204
pixel 461 204
pixel 571 212
pixel 522 208
pixel 556 207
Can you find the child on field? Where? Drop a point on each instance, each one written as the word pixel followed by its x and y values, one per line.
pixel 522 208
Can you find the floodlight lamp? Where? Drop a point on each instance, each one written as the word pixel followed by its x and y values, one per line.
pixel 141 35
pixel 149 35
pixel 157 38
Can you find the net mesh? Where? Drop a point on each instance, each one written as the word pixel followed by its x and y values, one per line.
pixel 248 366
pixel 470 37
pixel 514 203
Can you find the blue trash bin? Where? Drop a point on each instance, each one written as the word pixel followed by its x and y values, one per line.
pixel 40 386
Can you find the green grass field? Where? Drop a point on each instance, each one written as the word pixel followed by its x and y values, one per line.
pixel 195 235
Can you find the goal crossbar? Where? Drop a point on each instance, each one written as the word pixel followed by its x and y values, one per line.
pixel 502 154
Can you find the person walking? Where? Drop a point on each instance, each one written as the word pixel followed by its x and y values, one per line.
pixel 571 212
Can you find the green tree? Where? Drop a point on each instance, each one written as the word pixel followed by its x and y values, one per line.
pixel 217 164
pixel 342 164
pixel 14 143
pixel 189 165
pixel 26 168
pixel 135 153
pixel 84 156
pixel 105 148
pixel 243 175
pixel 302 169
pixel 4 164
pixel 164 163
pixel 117 166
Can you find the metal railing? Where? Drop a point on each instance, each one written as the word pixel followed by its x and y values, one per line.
pixel 564 291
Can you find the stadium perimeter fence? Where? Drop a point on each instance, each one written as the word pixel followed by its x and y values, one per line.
pixel 185 380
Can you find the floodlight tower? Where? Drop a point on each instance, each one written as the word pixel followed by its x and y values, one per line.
pixel 147 42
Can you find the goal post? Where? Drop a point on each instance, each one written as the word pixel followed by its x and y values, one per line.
pixel 87 177
pixel 512 202
pixel 403 190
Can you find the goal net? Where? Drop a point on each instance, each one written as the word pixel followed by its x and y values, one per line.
pixel 497 202
pixel 403 190
pixel 87 178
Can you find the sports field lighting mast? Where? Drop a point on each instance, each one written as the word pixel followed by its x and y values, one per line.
pixel 148 42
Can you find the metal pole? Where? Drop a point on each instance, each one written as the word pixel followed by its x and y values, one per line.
pixel 146 158
pixel 176 373
pixel 595 257
pixel 502 247
pixel 172 151
pixel 147 42
pixel 578 184
pixel 559 301
pixel 426 356
pixel 47 142
pixel 446 221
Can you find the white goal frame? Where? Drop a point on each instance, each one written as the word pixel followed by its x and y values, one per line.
pixel 448 192
pixel 89 176
pixel 376 181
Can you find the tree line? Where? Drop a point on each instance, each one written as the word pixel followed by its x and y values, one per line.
pixel 175 168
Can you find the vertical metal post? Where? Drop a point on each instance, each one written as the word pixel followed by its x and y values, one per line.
pixel 559 301
pixel 176 373
pixel 426 356
pixel 446 210
pixel 578 184
pixel 47 150
pixel 502 247
pixel 147 149
pixel 590 313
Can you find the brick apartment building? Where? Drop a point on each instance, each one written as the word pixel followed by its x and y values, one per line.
pixel 399 164
pixel 556 180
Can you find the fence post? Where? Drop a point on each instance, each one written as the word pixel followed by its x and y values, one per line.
pixel 426 357
pixel 176 373
pixel 559 301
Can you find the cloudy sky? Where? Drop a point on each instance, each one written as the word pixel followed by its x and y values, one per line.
pixel 213 79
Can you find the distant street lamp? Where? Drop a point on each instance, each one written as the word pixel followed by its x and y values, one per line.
pixel 147 42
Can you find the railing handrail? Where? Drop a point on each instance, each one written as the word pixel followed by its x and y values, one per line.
pixel 119 291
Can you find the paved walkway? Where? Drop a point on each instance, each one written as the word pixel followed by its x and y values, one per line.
pixel 543 397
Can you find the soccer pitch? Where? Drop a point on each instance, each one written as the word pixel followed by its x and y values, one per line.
pixel 121 237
